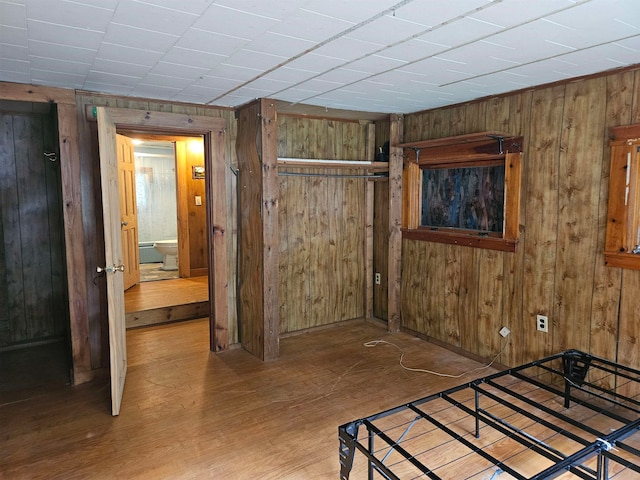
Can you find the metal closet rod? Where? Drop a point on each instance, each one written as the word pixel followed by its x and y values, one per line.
pixel 332 175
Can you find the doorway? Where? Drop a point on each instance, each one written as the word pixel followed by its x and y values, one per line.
pixel 213 130
pixel 34 314
pixel 171 208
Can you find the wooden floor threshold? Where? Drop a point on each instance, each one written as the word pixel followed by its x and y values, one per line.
pixel 161 315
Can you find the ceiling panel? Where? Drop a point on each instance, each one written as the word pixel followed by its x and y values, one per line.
pixel 13 15
pixel 391 56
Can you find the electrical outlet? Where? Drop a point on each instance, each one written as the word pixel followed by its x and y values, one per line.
pixel 542 323
pixel 378 279
pixel 504 331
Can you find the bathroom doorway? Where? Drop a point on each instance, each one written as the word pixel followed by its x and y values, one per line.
pixel 171 206
pixel 156 203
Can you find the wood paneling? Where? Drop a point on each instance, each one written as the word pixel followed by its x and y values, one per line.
pixel 558 269
pixel 33 293
pixel 322 221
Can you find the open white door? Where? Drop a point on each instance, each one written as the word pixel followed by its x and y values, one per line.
pixel 113 256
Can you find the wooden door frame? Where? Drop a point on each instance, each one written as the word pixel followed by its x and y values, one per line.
pixel 212 130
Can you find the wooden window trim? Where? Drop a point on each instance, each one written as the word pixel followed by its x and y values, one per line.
pixel 623 213
pixel 472 150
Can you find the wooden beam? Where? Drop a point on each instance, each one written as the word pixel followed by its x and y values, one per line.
pixel 37 93
pixel 74 242
pixel 270 232
pixel 395 221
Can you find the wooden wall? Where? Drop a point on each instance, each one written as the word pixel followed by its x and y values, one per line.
pixel 321 224
pixel 92 216
pixel 33 293
pixel 462 296
pixel 195 221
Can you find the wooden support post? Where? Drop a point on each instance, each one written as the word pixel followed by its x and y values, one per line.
pixel 395 221
pixel 368 227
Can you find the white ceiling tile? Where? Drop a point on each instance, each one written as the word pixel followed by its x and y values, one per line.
pixel 70 14
pixel 233 22
pixel 203 91
pixel 288 74
pixel 310 26
pixel 17 77
pixel 195 7
pixel 61 35
pixel 153 91
pixel 120 68
pixel 210 42
pixel 509 13
pixel 128 36
pixel 120 53
pixel 236 72
pixel 344 75
pixel 57 65
pixel 412 50
pixel 16 66
pixel 193 58
pixel 166 81
pixel 249 58
pixel 14 52
pixel 154 18
pixel 107 88
pixel 177 70
pixel 459 32
pixel 13 36
pixel 354 12
pixel 282 45
pixel 316 63
pixel 112 78
pixel 375 63
pixel 348 48
pixel 62 52
pixel 13 15
pixel 214 82
pixel 396 30
pixel 45 77
pixel 271 84
pixel 436 12
pixel 272 10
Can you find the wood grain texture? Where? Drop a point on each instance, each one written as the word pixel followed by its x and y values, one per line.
pixel 250 231
pixel 189 413
pixel 558 268
pixel 322 254
pixel 32 261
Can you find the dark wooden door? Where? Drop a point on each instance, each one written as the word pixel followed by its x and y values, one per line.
pixel 33 295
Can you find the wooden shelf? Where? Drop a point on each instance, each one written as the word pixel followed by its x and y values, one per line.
pixel 321 163
pixel 462 239
pixel 462 150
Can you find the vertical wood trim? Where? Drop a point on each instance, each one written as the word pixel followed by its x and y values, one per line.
pixel 216 197
pixel 395 221
pixel 74 241
pixel 270 232
pixel 184 249
pixel 368 227
pixel 513 174
pixel 412 185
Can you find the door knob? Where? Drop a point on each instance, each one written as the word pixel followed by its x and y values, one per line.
pixel 110 269
pixel 124 224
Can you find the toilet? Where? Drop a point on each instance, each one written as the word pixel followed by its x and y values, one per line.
pixel 169 251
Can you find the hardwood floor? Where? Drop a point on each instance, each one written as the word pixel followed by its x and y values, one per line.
pixel 150 303
pixel 188 413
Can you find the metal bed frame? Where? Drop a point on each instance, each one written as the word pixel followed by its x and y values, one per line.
pixel 569 415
